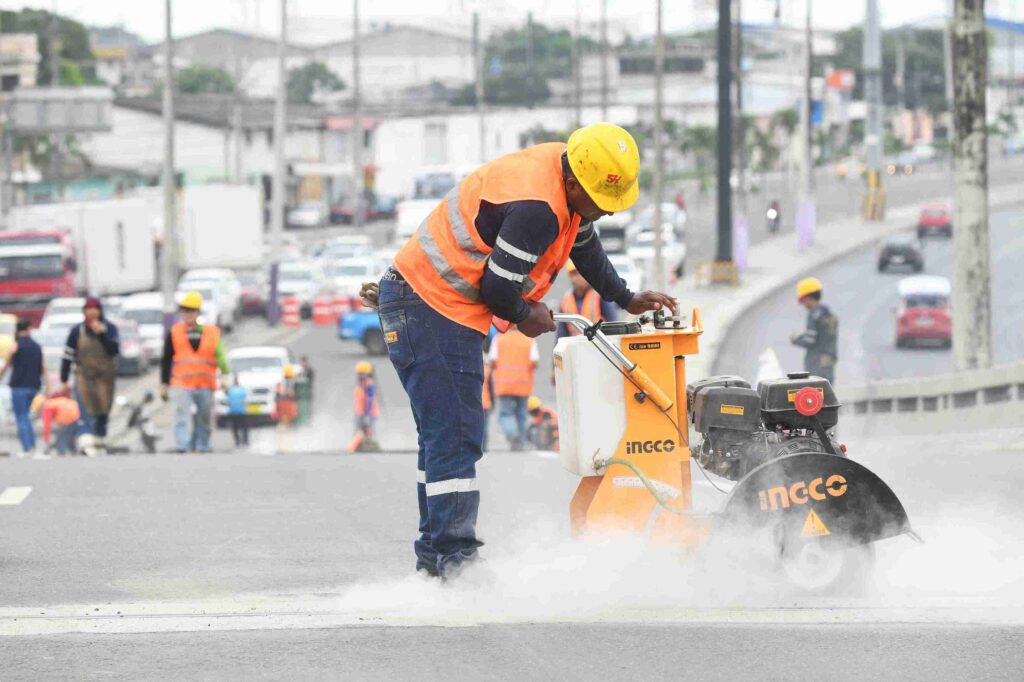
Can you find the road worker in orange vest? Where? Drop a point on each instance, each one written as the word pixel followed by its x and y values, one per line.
pixel 583 300
pixel 544 427
pixel 366 407
pixel 513 359
pixel 488 253
pixel 487 402
pixel 192 355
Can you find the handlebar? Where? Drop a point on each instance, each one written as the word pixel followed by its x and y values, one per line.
pixel 593 331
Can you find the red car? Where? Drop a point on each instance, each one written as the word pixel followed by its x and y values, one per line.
pixel 935 219
pixel 923 315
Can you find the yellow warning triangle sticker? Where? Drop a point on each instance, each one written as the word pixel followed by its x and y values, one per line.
pixel 813 526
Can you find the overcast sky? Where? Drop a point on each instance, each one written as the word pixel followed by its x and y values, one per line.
pixel 311 19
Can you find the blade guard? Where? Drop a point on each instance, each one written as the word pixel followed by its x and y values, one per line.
pixel 850 504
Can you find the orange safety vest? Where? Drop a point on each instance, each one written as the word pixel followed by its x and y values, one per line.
pixel 444 260
pixel 513 371
pixel 591 308
pixel 360 403
pixel 485 400
pixel 194 368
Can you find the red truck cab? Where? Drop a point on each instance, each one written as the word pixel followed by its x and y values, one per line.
pixel 923 315
pixel 34 268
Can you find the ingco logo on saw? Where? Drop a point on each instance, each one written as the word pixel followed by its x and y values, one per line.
pixel 647 447
pixel 799 493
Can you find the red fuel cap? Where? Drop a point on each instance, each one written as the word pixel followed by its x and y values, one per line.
pixel 808 401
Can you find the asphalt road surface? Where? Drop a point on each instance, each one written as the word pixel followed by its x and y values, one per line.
pixel 241 566
pixel 864 300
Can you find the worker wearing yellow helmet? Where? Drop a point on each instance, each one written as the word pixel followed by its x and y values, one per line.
pixel 820 338
pixel 488 254
pixel 193 353
pixel 366 407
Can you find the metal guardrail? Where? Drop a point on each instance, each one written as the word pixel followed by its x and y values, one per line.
pixel 945 394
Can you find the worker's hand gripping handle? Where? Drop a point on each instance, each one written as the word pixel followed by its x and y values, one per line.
pixel 636 373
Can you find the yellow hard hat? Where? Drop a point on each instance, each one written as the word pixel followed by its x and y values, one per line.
pixel 192 300
pixel 570 266
pixel 289 371
pixel 37 403
pixel 807 286
pixel 533 403
pixel 606 161
pixel 364 367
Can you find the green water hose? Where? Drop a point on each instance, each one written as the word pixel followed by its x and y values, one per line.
pixel 649 484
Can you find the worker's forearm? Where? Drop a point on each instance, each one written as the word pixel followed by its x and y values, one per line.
pixel 503 298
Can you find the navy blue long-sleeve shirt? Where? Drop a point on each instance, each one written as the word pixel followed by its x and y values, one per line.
pixel 520 232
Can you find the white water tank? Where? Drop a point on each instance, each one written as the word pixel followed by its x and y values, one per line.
pixel 591 404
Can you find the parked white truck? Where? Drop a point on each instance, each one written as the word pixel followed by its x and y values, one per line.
pixel 221 226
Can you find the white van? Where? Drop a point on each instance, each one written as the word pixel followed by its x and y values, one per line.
pixel 147 311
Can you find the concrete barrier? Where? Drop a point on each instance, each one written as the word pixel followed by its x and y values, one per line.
pixel 945 403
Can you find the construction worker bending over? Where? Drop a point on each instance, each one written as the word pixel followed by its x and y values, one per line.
pixel 367 410
pixel 583 300
pixel 63 411
pixel 192 355
pixel 287 401
pixel 820 337
pixel 490 251
pixel 544 427
pixel 513 359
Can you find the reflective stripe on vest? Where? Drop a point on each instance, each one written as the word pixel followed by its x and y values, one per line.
pixel 194 368
pixel 591 308
pixel 513 370
pixel 445 259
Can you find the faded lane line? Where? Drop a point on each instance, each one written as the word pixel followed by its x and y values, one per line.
pixel 14 495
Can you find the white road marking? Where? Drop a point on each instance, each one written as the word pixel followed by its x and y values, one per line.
pixel 14 495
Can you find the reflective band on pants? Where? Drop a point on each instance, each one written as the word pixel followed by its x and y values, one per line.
pixel 452 485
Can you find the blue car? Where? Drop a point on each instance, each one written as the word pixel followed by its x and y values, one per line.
pixel 363 326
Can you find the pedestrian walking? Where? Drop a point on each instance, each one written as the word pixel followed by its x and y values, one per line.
pixel 820 338
pixel 489 253
pixel 513 358
pixel 188 374
pixel 28 375
pixel 92 348
pixel 238 397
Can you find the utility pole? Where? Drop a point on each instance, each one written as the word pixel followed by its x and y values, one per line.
pixel 806 129
pixel 529 60
pixel 741 124
pixel 169 246
pixel 53 34
pixel 357 125
pixel 874 204
pixel 972 324
pixel 659 154
pixel 478 67
pixel 277 193
pixel 577 70
pixel 947 53
pixel 604 60
pixel 724 252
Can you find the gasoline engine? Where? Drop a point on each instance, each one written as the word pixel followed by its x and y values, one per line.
pixel 741 428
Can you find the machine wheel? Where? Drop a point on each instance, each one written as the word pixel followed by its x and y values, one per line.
pixel 815 568
pixel 373 341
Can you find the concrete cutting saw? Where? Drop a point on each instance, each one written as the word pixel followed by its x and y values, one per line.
pixel 767 467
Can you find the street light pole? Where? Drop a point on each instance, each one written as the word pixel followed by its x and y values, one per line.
pixel 604 60
pixel 169 245
pixel 577 69
pixel 357 124
pixel 478 68
pixel 724 251
pixel 972 298
pixel 872 52
pixel 277 192
pixel 659 155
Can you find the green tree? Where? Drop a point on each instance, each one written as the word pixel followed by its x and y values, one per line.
pixel 74 53
pixel 200 79
pixel 308 79
pixel 702 143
